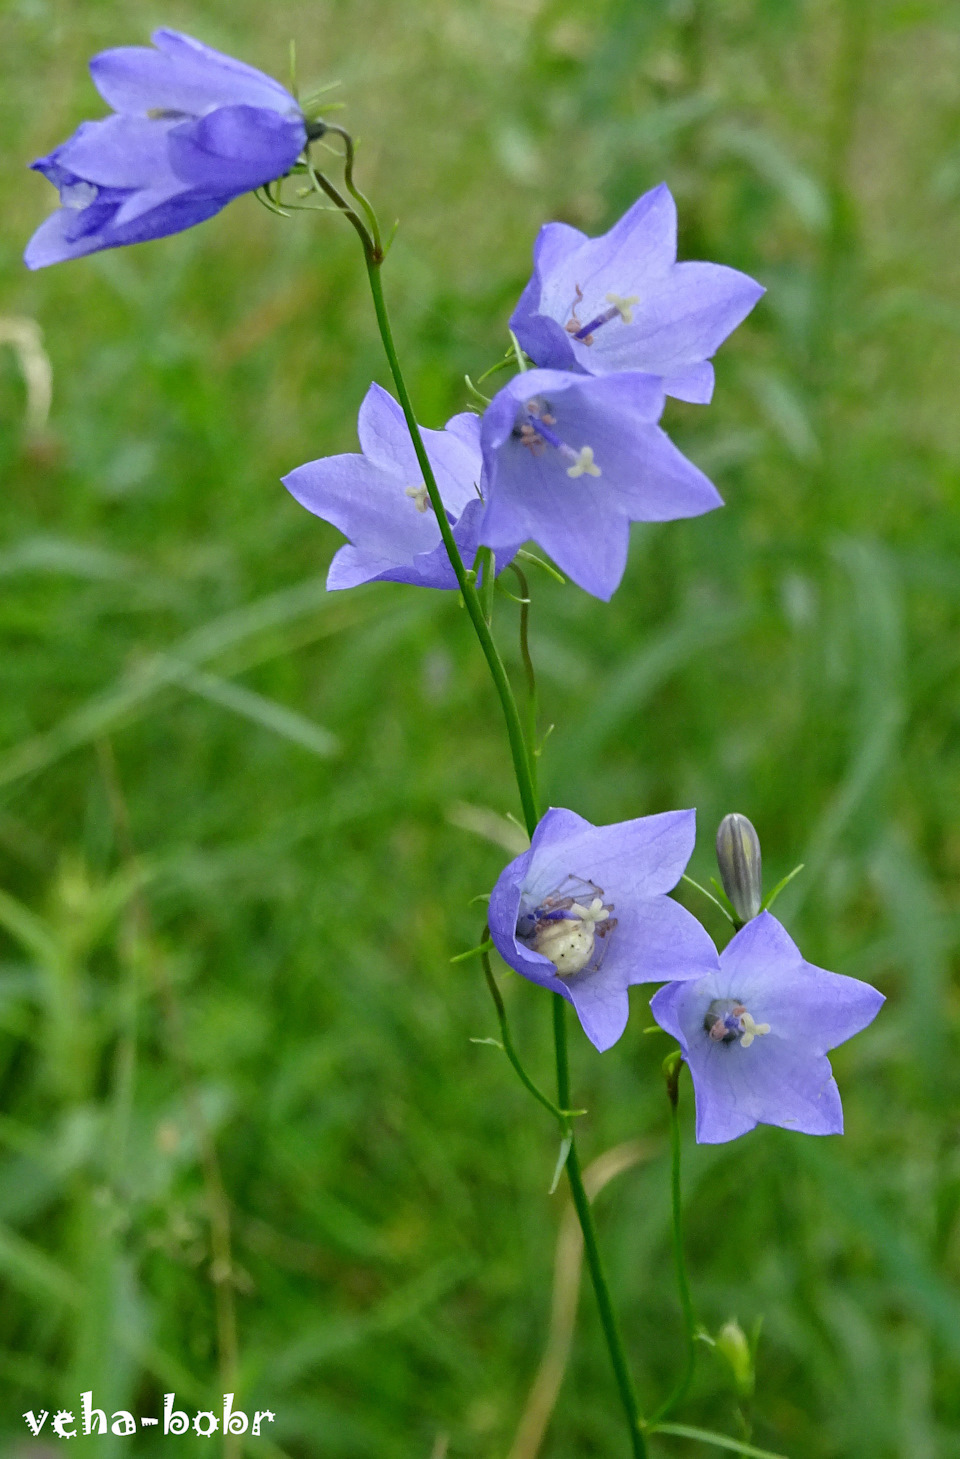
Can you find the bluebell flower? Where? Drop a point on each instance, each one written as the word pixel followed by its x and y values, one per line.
pixel 622 302
pixel 571 460
pixel 192 129
pixel 756 1034
pixel 585 912
pixel 379 501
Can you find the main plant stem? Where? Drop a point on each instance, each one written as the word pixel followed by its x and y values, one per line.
pixel 523 762
pixel 581 1202
pixel 518 746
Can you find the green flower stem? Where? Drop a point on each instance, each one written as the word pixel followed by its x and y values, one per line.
pixel 562 1116
pixel 672 1067
pixel 518 748
pixel 523 760
pixel 528 670
pixel 581 1202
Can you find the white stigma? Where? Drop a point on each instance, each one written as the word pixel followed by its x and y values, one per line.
pixel 624 306
pixel 584 465
pixel 750 1029
pixel 596 912
pixel 419 496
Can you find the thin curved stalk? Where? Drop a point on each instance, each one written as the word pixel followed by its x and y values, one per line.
pixel 672 1066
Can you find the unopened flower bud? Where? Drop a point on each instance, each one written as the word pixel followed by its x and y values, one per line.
pixel 738 856
pixel 732 1342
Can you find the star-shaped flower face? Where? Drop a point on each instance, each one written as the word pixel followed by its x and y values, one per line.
pixel 585 913
pixel 571 461
pixel 193 129
pixel 380 502
pixel 756 1034
pixel 622 302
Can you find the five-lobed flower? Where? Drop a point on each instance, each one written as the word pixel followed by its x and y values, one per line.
pixel 755 1034
pixel 192 130
pixel 622 302
pixel 571 460
pixel 585 912
pixel 379 501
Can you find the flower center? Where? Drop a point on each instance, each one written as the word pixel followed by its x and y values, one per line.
pixel 621 307
pixel 419 496
pixel 534 429
pixel 565 928
pixel 727 1021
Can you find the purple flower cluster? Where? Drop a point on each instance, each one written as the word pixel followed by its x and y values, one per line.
pixel 569 454
pixel 585 913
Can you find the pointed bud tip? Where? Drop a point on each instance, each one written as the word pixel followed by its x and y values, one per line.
pixel 732 1342
pixel 738 857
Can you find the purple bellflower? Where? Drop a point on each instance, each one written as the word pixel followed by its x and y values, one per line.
pixel 622 302
pixel 756 1034
pixel 571 460
pixel 192 130
pixel 585 913
pixel 379 501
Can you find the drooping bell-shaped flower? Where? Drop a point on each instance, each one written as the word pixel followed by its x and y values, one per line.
pixel 379 501
pixel 192 130
pixel 756 1035
pixel 585 912
pixel 571 461
pixel 622 302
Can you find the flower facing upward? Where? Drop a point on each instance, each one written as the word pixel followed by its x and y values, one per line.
pixel 380 502
pixel 622 302
pixel 571 461
pixel 192 129
pixel 756 1034
pixel 585 913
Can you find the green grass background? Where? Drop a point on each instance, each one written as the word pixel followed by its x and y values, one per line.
pixel 225 991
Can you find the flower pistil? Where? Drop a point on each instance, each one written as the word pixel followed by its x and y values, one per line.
pixel 534 429
pixel 727 1022
pixel 621 307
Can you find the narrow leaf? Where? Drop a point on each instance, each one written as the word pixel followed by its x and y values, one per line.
pixel 565 1144
pixel 719 1441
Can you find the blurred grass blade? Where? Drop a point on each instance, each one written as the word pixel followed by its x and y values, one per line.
pixel 132 692
pixel 30 1270
pixel 288 723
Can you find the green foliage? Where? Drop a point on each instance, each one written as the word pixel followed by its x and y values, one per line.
pixel 234 857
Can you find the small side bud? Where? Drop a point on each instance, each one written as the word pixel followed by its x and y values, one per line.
pixel 732 1342
pixel 738 856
